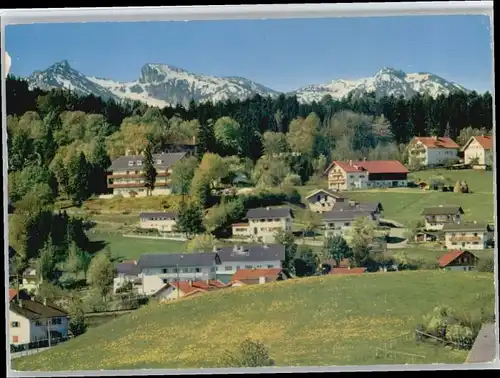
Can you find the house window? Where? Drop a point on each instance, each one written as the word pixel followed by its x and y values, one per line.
pixel 270 266
pixel 165 280
pixel 346 224
pixel 15 339
pixel 475 233
pixel 248 266
pixel 197 270
pixel 130 164
pixel 164 271
pixel 15 325
pixel 56 321
pixel 158 161
pixel 228 268
pixel 38 323
pixel 139 162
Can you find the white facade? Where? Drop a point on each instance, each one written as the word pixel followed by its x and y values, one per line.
pixel 475 150
pixel 341 227
pixel 24 331
pixel 432 156
pixel 263 229
pixel 231 267
pixel 322 201
pixel 121 279
pixel 162 224
pixel 154 279
pixel 130 180
pixel 470 240
pixel 340 180
pixel 437 222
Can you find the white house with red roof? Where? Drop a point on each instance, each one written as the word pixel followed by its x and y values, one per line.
pixel 350 175
pixel 458 260
pixel 478 151
pixel 433 151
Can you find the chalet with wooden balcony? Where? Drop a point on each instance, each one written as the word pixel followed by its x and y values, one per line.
pixel 126 174
pixel 264 223
pixel 436 217
pixel 478 151
pixel 458 260
pixel 433 151
pixel 474 236
pixel 351 175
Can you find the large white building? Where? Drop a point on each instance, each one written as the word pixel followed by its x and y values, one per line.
pixel 343 176
pixel 478 151
pixel 126 174
pixel 433 151
pixel 161 221
pixel 471 236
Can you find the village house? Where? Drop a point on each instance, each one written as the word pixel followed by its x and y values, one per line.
pixel 475 236
pixel 33 321
pixel 436 217
pixel 478 151
pixel 343 176
pixel 182 289
pixel 161 221
pixel 458 260
pixel 433 151
pixel 339 221
pixel 254 256
pixel 263 223
pixel 258 276
pixel 127 271
pixel 154 271
pixel 322 200
pixel 126 174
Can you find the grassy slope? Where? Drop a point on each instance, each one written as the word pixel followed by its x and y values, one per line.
pixel 336 320
pixel 405 205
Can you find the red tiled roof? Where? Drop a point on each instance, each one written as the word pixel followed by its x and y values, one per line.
pixel 239 225
pixel 203 286
pixel 347 271
pixel 486 141
pixel 441 142
pixel 248 274
pixel 449 257
pixel 12 294
pixel 373 166
pixel 185 287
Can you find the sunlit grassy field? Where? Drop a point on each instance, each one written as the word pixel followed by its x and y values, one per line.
pixel 332 320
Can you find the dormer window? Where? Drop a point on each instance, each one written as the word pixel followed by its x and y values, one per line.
pixel 130 163
pixel 158 161
pixel 139 162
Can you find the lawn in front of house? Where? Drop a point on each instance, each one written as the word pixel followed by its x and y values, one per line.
pixel 315 321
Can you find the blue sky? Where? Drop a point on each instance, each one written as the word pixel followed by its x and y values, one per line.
pixel 282 54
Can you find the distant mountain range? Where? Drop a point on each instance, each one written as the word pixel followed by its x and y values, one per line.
pixel 162 85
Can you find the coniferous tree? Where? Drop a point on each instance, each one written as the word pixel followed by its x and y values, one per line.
pixel 150 172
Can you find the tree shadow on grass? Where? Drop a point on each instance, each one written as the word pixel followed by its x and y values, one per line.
pixel 96 246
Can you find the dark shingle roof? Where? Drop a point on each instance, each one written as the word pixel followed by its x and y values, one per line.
pixel 160 214
pixel 442 210
pixel 128 268
pixel 269 212
pixel 480 227
pixel 150 260
pixel 35 310
pixel 325 191
pixel 358 206
pixel 256 252
pixel 484 347
pixel 350 215
pixel 167 160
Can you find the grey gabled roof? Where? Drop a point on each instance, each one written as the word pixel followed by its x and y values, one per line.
pixel 464 227
pixel 160 260
pixel 167 160
pixel 269 212
pixel 359 206
pixel 35 310
pixel 159 214
pixel 442 210
pixel 345 215
pixel 331 194
pixel 254 252
pixel 128 268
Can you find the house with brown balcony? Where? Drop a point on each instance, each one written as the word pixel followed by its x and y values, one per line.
pixel 126 174
pixel 474 236
pixel 264 223
pixel 432 151
pixel 436 217
pixel 351 175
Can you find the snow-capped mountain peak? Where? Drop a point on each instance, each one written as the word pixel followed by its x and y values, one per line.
pixel 163 84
